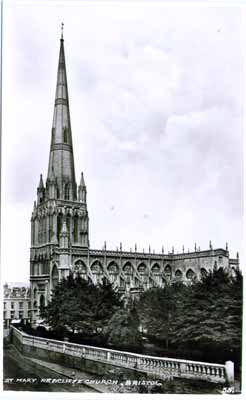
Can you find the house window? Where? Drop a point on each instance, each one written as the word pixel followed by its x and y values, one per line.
pixel 4 305
pixel 12 304
pixel 20 304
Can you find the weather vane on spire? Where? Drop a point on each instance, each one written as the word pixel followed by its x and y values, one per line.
pixel 62 26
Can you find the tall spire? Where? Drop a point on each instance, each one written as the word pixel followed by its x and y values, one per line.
pixel 61 160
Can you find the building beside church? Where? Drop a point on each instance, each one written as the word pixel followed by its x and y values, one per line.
pixel 16 303
pixel 60 228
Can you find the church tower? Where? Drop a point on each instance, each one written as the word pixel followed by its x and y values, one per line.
pixel 59 222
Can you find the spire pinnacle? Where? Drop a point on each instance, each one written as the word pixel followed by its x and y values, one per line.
pixel 62 27
pixel 82 181
pixel 41 183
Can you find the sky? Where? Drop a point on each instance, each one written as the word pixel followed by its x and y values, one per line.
pixel 156 103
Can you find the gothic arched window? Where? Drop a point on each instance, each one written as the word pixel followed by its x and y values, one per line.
pixel 203 272
pixel 113 271
pixel 143 272
pixel 128 272
pixel 178 274
pixel 54 276
pixel 168 270
pixel 190 274
pixel 80 267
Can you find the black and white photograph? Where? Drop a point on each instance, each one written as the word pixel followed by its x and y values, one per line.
pixel 122 197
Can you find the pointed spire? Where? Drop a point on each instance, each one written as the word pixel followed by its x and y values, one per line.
pixel 61 158
pixel 40 190
pixel 41 183
pixel 82 181
pixel 82 189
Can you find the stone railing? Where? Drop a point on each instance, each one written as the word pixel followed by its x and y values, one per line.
pixel 158 367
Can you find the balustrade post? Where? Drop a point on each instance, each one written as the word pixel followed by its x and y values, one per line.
pixel 182 369
pixel 229 367
pixel 108 355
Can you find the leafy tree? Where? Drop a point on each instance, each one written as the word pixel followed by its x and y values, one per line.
pixel 157 310
pixel 122 330
pixel 210 317
pixel 106 304
pixel 78 304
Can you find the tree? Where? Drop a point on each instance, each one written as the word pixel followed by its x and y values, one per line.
pixel 157 310
pixel 210 316
pixel 106 304
pixel 122 331
pixel 78 304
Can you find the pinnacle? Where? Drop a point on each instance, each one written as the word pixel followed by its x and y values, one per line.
pixel 82 181
pixel 41 183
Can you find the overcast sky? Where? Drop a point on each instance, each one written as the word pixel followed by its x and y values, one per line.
pixel 156 105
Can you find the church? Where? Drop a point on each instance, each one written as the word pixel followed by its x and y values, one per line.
pixel 60 229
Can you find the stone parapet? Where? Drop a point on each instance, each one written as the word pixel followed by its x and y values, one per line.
pixel 158 367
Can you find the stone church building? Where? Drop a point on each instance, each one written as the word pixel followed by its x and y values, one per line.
pixel 60 228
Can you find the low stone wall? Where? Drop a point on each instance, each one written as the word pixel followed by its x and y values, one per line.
pixel 99 360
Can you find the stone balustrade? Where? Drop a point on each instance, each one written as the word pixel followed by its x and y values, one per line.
pixel 158 367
